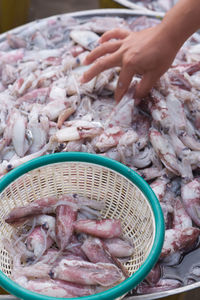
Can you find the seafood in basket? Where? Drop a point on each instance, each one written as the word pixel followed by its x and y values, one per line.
pixel 45 109
pixel 79 218
pixel 63 248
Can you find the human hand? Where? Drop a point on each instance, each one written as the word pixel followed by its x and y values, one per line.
pixel 148 53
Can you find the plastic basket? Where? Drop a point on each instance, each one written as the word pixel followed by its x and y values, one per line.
pixel 126 196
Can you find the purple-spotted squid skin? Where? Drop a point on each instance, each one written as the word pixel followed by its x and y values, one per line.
pixel 119 247
pixel 190 193
pixel 48 287
pixel 154 275
pixel 105 228
pixel 38 207
pixel 39 241
pixel 161 285
pixel 65 216
pixel 94 250
pixel 83 272
pixel 181 240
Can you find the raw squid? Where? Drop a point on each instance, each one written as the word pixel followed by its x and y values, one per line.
pixel 52 253
pixel 44 108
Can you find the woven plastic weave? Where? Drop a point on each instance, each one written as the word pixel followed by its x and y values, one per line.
pixel 123 200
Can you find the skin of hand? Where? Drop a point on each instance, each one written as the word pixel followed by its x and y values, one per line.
pixel 144 53
pixel 148 53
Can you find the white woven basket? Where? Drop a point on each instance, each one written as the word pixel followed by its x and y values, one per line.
pixel 123 200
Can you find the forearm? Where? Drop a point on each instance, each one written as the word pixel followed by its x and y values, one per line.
pixel 182 21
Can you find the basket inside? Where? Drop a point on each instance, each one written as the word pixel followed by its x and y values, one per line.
pixel 122 198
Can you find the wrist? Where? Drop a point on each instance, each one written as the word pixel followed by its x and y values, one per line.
pixel 181 22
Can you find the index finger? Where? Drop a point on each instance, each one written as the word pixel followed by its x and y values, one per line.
pixel 114 34
pixel 101 65
pixel 125 77
pixel 144 86
pixel 101 50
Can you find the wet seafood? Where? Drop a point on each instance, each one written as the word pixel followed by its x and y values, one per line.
pixel 47 248
pixel 108 228
pixel 65 217
pixel 38 207
pixel 82 272
pixel 44 109
pixel 155 5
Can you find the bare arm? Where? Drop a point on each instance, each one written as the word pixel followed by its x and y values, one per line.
pixel 149 52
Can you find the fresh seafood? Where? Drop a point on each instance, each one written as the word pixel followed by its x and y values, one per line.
pixel 107 228
pixel 38 241
pixel 119 247
pixel 46 248
pixel 82 272
pixel 191 199
pixel 65 217
pixel 45 109
pixel 38 207
pixel 95 250
pixel 55 288
pixel 161 285
pixel 155 5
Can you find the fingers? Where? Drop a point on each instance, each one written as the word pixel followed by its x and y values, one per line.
pixel 101 65
pixel 107 62
pixel 125 78
pixel 114 34
pixel 144 86
pixel 101 50
pixel 107 47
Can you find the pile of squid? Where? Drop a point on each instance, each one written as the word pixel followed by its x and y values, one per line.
pixel 155 5
pixel 62 247
pixel 44 108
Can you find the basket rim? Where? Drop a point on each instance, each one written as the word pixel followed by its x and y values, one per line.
pixel 130 174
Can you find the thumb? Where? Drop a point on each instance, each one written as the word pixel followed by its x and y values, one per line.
pixel 144 86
